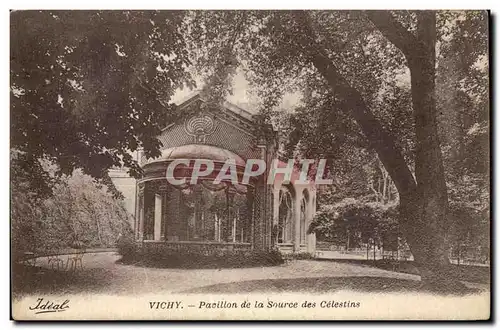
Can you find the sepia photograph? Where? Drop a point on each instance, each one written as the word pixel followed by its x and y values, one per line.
pixel 250 165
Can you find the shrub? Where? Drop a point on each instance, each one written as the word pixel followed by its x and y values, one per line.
pixel 268 258
pixel 78 213
pixel 299 256
pixel 126 247
pixel 192 259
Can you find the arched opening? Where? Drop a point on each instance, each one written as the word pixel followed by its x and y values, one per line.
pixel 303 221
pixel 285 217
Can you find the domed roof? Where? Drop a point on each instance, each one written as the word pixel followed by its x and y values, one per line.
pixel 198 151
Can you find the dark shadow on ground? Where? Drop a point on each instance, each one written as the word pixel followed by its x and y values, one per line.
pixel 187 261
pixel 38 280
pixel 468 273
pixel 326 285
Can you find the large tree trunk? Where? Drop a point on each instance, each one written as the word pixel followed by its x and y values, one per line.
pixel 424 203
pixel 424 211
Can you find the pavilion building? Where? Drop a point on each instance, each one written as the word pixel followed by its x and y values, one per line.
pixel 217 217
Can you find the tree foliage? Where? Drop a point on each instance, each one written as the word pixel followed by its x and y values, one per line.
pixel 369 93
pixel 90 87
pixel 79 211
pixel 350 223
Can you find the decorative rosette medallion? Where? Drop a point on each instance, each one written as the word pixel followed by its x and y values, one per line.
pixel 200 127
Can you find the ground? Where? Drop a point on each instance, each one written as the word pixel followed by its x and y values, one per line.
pixel 102 274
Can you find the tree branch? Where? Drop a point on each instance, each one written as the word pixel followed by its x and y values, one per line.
pixel 354 104
pixel 394 31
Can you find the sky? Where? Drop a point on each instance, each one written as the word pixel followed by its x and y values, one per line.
pixel 242 95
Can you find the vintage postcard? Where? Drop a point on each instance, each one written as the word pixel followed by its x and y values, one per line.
pixel 249 165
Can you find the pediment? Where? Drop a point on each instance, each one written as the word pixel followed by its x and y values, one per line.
pixel 228 126
pixel 229 112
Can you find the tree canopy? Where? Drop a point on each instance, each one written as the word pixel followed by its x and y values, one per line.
pixel 79 211
pixel 88 88
pixel 370 94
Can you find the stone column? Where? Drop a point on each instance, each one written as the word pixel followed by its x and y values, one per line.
pixel 260 214
pixel 228 227
pixel 311 238
pixel 140 212
pixel 275 213
pixel 296 219
pixel 251 214
pixel 157 217
pixel 164 191
pixel 258 227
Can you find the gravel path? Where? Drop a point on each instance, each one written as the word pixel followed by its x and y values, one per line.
pixel 102 274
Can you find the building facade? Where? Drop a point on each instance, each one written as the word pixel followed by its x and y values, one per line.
pixel 216 217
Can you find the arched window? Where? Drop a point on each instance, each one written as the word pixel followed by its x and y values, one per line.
pixel 285 227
